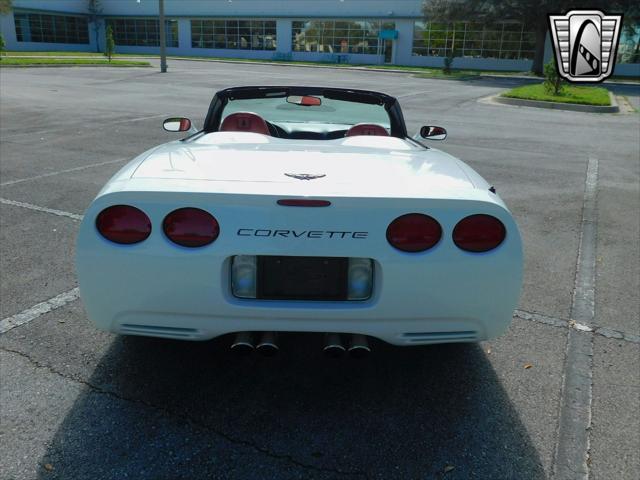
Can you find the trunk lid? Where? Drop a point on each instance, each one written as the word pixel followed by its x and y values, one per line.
pixel 237 162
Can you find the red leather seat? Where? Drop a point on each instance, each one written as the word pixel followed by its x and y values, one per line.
pixel 367 129
pixel 244 122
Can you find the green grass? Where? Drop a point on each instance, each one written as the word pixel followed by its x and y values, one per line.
pixel 9 61
pixel 453 75
pixel 255 60
pixel 570 94
pixel 54 54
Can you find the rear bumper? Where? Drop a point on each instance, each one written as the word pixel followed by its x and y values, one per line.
pixel 402 333
pixel 188 296
pixel 157 288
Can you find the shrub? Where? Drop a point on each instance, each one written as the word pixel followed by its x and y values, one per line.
pixel 553 83
pixel 448 62
pixel 110 44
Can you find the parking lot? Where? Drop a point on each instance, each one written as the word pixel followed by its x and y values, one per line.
pixel 79 403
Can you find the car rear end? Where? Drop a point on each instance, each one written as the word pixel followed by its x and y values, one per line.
pixel 185 264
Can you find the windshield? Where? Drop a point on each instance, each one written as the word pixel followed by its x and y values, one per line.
pixel 282 111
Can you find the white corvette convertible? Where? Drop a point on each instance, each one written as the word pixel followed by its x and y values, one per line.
pixel 299 209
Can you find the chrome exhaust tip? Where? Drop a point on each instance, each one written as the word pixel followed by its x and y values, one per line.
pixel 268 346
pixel 333 347
pixel 359 346
pixel 243 344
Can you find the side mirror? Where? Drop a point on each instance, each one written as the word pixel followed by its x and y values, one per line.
pixel 433 133
pixel 178 124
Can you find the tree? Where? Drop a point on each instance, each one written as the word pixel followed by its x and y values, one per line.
pixel 5 6
pixel 110 44
pixel 531 13
pixel 94 7
pixel 2 45
pixel 631 27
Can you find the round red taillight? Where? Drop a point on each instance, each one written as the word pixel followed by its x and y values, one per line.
pixel 123 224
pixel 479 233
pixel 191 227
pixel 414 232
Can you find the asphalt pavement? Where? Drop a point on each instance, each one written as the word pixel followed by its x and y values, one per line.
pixel 76 403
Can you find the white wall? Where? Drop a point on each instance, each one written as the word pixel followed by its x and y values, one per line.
pixel 8 30
pixel 263 8
pixel 184 34
pixel 60 6
pixel 283 36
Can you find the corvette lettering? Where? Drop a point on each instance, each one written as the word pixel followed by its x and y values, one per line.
pixel 250 232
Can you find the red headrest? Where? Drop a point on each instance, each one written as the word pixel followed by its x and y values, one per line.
pixel 367 129
pixel 244 122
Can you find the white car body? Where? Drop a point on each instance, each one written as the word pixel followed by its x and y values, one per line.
pixel 158 288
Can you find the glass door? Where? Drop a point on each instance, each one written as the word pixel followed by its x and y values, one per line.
pixel 388 51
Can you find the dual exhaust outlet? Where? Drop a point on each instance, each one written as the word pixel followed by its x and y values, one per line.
pixel 335 346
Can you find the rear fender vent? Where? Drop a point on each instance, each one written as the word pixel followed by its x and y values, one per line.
pixel 439 337
pixel 158 331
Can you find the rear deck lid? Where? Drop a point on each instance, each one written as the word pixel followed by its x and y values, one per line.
pixel 374 166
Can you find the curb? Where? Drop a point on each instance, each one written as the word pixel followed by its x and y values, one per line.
pixel 303 65
pixel 575 107
pixel 68 65
pixel 273 64
pixel 336 67
pixel 417 71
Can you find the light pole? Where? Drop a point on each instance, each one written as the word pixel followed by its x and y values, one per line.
pixel 163 39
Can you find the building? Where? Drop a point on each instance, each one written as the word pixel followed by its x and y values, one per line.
pixel 349 31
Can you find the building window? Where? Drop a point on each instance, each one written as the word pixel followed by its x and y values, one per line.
pixel 339 36
pixel 234 34
pixel 36 27
pixel 142 32
pixel 468 39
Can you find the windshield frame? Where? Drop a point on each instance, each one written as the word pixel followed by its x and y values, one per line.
pixel 390 104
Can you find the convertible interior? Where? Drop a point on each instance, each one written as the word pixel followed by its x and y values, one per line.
pixel 252 122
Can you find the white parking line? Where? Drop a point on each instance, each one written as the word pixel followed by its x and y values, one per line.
pixel 411 94
pixel 37 208
pixel 38 310
pixel 69 170
pixel 571 458
pixel 86 125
